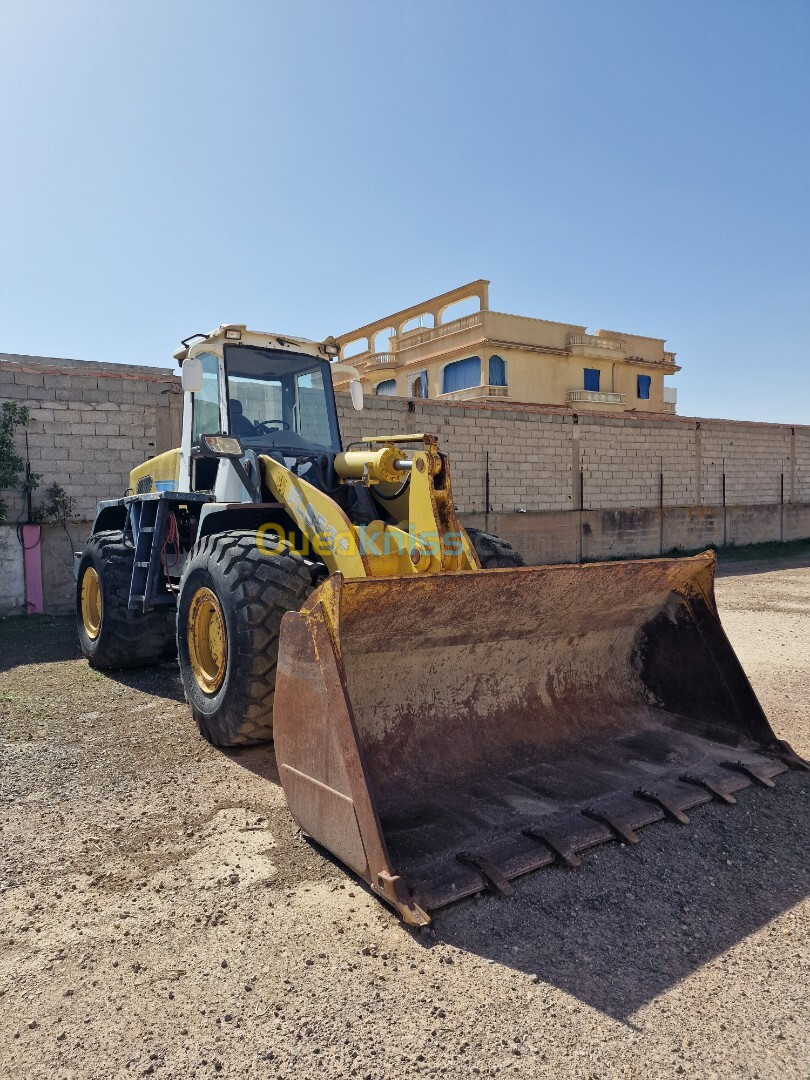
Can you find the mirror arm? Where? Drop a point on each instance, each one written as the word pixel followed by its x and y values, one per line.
pixel 242 473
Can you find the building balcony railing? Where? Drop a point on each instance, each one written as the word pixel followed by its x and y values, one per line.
pixel 368 361
pixel 671 395
pixel 598 396
pixel 418 337
pixel 472 393
pixel 593 342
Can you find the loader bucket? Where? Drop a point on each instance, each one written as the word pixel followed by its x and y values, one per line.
pixel 445 734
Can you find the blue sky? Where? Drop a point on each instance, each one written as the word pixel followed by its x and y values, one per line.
pixel 307 166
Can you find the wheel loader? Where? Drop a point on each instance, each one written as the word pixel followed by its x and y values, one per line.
pixel 444 718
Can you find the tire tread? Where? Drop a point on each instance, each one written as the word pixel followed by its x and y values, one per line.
pixel 261 589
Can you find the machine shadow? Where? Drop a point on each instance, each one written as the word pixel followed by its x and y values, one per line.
pixel 160 680
pixel 765 565
pixel 37 639
pixel 260 760
pixel 633 921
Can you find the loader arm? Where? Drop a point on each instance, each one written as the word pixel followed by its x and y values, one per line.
pixel 427 537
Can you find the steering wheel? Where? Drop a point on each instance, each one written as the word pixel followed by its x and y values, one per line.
pixel 263 426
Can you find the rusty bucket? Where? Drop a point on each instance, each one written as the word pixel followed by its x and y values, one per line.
pixel 445 734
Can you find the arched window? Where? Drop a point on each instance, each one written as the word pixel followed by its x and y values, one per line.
pixel 461 374
pixel 388 388
pixel 497 371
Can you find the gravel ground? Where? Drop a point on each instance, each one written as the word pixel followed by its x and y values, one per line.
pixel 161 915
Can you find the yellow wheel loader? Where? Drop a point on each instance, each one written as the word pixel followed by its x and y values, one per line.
pixel 445 719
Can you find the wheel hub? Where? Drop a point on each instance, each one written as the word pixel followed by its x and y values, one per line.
pixel 91 603
pixel 207 640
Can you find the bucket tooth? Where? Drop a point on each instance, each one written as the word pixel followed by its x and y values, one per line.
pixel 393 889
pixel 788 755
pixel 713 788
pixel 623 832
pixel 671 811
pixel 491 874
pixel 555 846
pixel 755 772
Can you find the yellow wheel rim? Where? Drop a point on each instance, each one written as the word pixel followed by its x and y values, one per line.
pixel 207 641
pixel 91 603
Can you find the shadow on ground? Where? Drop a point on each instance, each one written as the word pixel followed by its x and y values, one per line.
pixel 742 562
pixel 632 922
pixel 162 680
pixel 37 639
pixel 260 760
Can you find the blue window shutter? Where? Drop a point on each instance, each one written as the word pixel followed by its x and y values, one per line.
pixel 497 371
pixel 423 382
pixel 461 374
pixel 644 386
pixel 386 389
pixel 591 378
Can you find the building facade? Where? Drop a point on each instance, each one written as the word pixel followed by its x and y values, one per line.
pixel 420 353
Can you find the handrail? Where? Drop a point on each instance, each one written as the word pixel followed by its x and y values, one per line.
pixel 596 342
pixel 470 392
pixel 431 333
pixel 604 396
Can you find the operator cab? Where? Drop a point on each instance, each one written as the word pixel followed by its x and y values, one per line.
pixel 273 393
pixel 275 400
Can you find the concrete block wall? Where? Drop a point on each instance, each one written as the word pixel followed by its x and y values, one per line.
pixel 89 424
pixel 536 454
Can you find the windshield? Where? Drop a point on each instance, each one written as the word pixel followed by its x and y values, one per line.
pixel 280 400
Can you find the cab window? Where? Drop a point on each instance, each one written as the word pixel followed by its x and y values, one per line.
pixel 205 418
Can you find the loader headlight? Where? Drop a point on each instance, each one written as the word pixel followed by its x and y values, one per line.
pixel 329 347
pixel 224 446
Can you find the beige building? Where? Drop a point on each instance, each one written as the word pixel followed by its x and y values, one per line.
pixel 421 353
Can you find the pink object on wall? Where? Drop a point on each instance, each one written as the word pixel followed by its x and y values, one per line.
pixel 32 558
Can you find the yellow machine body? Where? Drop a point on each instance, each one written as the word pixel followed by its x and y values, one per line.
pixel 428 538
pixel 160 473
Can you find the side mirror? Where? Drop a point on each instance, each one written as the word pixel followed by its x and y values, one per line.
pixel 191 375
pixel 356 391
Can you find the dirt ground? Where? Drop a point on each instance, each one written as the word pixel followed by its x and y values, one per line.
pixel 161 915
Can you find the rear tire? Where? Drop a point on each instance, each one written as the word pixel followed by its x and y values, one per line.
pixel 232 599
pixel 492 551
pixel 111 636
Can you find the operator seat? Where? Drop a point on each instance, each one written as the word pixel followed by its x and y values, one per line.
pixel 239 423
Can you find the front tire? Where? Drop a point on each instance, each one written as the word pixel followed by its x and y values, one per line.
pixel 111 636
pixel 232 598
pixel 492 551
